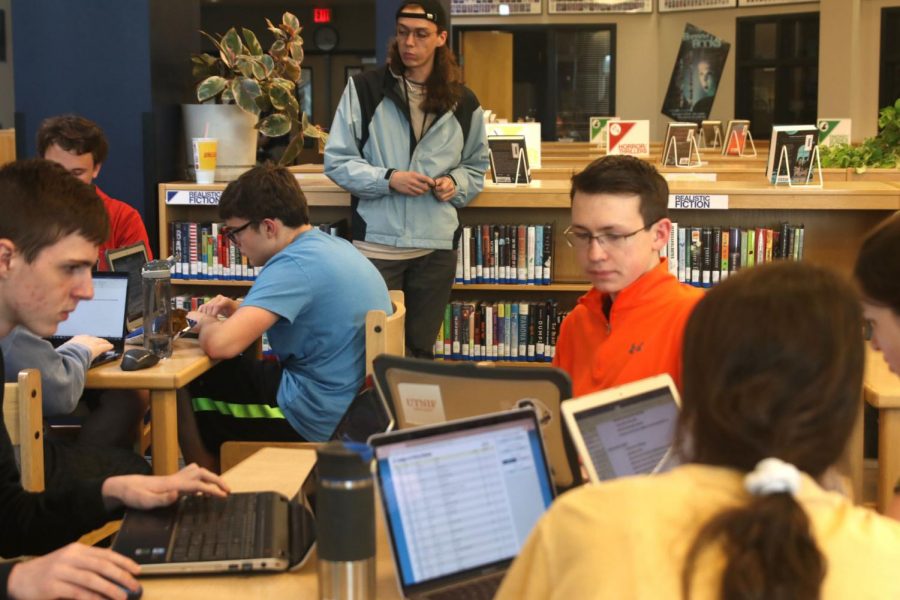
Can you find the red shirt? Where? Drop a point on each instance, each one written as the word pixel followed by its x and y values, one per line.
pixel 125 227
pixel 642 337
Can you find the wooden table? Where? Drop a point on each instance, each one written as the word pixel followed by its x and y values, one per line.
pixel 276 469
pixel 187 363
pixel 881 388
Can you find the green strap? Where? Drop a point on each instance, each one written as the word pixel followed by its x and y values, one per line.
pixel 238 411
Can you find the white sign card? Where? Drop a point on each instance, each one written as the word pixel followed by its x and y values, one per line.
pixel 422 403
pixel 834 131
pixel 628 137
pixel 598 129
pixel 193 197
pixel 699 201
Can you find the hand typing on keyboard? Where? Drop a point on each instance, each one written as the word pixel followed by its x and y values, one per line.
pixel 96 345
pixel 149 491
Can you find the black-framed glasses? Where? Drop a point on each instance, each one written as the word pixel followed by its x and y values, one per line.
pixel 419 34
pixel 232 232
pixel 578 238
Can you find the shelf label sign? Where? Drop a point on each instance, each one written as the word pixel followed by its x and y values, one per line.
pixel 193 197
pixel 701 201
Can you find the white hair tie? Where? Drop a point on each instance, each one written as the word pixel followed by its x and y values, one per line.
pixel 773 476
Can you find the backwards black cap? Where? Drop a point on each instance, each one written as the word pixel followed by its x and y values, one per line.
pixel 434 12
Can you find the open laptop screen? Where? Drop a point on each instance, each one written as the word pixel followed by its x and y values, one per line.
pixel 103 315
pixel 463 499
pixel 130 260
pixel 629 436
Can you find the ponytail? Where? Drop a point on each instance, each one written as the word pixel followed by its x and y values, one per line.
pixel 769 549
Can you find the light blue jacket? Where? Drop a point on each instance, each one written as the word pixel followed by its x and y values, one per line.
pixel 371 137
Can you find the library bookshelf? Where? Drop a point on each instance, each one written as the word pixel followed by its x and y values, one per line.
pixel 835 216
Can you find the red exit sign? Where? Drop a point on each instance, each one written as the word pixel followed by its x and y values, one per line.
pixel 321 15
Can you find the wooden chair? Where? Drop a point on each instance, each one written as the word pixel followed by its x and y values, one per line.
pixel 23 416
pixel 7 145
pixel 384 335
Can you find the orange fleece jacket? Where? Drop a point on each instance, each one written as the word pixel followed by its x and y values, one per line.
pixel 642 337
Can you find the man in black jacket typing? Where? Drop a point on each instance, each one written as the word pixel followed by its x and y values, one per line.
pixel 51 227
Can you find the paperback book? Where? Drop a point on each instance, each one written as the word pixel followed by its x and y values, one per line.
pixel 791 154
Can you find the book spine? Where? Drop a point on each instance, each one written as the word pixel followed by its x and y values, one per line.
pixel 734 240
pixel 514 331
pixel 522 261
pixel 501 254
pixel 751 249
pixel 682 255
pixel 672 250
pixel 476 331
pixel 479 255
pixel 548 254
pixel 514 254
pixel 696 247
pixel 448 330
pixel 530 256
pixel 538 254
pixel 523 330
pixel 495 254
pixel 716 262
pixel 726 254
pixel 501 332
pixel 706 257
pixel 458 277
pixel 540 334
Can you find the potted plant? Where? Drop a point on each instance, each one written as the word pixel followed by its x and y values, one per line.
pixel 260 84
pixel 881 151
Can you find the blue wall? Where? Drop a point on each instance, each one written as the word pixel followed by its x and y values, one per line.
pixel 90 58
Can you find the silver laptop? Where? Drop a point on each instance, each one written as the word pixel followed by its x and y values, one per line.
pixel 131 259
pixel 102 316
pixel 625 430
pixel 460 499
pixel 424 392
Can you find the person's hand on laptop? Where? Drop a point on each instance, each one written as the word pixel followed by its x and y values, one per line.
pixel 74 571
pixel 153 491
pixel 96 345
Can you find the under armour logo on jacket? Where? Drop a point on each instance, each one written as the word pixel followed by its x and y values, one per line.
pixel 636 348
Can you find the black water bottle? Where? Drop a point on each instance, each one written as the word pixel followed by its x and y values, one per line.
pixel 345 521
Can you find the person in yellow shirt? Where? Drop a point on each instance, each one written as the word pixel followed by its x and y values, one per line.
pixel 877 272
pixel 773 362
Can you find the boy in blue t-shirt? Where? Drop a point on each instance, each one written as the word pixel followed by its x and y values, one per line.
pixel 311 299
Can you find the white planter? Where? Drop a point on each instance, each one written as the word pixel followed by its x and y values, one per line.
pixel 235 130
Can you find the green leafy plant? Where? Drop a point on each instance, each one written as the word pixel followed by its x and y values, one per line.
pixel 261 83
pixel 880 151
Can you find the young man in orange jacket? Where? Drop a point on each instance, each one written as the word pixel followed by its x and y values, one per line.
pixel 630 325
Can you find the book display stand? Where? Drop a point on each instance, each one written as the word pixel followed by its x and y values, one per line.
pixel 671 152
pixel 717 139
pixel 509 161
pixel 743 147
pixel 783 173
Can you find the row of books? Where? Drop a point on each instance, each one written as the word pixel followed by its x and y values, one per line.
pixel 505 254
pixel 188 302
pixel 509 331
pixel 200 251
pixel 703 256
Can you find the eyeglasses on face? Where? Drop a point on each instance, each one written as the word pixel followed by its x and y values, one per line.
pixel 232 232
pixel 419 34
pixel 579 238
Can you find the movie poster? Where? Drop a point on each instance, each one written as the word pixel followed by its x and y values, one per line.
pixel 696 76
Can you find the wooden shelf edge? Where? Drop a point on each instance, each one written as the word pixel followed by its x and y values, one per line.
pixel 214 282
pixel 504 287
pixel 500 363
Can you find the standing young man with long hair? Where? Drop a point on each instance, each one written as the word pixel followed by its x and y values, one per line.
pixel 408 142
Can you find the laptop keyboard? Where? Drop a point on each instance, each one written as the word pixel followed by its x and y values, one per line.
pixel 478 589
pixel 235 527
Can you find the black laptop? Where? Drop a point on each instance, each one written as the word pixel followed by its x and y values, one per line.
pixel 247 531
pixel 102 316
